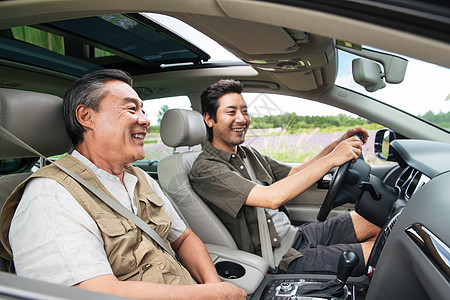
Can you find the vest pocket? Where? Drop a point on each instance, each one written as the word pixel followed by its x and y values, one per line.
pixel 120 238
pixel 155 214
pixel 110 225
pixel 146 272
pixel 162 265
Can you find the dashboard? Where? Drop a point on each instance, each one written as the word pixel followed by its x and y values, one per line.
pixel 414 262
pixel 410 181
pixel 411 256
pixel 429 158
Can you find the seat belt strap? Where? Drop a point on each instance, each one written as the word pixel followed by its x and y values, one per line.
pixel 264 235
pixel 112 203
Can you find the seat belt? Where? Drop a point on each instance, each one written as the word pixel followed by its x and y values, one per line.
pixel 112 203
pixel 264 236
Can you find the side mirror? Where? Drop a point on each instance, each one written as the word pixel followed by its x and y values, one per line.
pixel 383 150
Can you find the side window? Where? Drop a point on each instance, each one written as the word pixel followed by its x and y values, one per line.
pixel 294 130
pixel 155 109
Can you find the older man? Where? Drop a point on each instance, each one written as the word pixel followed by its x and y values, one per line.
pixel 64 234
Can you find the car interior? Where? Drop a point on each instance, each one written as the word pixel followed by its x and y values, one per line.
pixel 282 48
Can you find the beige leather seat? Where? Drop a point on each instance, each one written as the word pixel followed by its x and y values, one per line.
pixel 36 119
pixel 180 127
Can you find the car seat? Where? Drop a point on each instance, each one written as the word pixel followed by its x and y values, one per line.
pixel 181 127
pixel 36 119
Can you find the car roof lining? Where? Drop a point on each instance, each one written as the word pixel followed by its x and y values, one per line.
pixel 317 22
pixel 179 82
pixel 310 20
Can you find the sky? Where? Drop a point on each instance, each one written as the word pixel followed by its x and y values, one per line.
pixel 425 87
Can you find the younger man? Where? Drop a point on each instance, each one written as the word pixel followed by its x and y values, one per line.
pixel 233 180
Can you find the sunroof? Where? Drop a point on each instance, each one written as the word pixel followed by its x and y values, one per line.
pixel 131 42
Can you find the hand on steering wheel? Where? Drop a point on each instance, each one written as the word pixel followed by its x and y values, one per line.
pixel 336 185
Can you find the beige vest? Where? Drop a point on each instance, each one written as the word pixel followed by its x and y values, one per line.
pixel 131 253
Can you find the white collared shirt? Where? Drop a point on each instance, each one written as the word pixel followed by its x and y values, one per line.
pixel 54 239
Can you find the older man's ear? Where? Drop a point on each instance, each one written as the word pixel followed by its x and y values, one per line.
pixel 84 116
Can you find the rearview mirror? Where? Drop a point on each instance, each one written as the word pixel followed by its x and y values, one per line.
pixel 373 76
pixel 368 74
pixel 383 150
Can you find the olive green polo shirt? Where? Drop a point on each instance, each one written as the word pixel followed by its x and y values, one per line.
pixel 221 179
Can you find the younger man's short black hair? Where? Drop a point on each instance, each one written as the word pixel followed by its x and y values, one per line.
pixel 211 95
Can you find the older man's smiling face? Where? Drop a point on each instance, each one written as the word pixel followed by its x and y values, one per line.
pixel 120 124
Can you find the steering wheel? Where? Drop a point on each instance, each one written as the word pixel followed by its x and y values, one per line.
pixel 335 186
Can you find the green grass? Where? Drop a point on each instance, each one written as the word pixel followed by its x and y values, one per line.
pixel 289 156
pixel 151 142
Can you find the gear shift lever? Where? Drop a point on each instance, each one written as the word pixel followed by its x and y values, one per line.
pixel 347 262
pixel 334 288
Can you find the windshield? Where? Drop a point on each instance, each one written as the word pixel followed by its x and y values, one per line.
pixel 425 91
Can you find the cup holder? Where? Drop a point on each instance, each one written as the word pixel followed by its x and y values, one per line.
pixel 230 270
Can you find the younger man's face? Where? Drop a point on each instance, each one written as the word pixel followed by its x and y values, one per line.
pixel 232 122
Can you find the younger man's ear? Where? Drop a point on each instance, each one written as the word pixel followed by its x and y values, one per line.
pixel 208 120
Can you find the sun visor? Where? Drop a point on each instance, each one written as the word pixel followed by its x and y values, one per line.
pixel 251 38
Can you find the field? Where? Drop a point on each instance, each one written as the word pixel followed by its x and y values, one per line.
pixel 282 147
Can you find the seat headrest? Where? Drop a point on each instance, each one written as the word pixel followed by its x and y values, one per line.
pixel 182 127
pixel 36 119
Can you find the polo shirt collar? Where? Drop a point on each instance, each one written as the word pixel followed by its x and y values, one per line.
pixel 225 155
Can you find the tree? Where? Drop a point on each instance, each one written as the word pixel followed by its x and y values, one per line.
pixel 162 111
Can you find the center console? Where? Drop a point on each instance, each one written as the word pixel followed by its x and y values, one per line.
pixel 294 286
pixel 249 272
pixel 308 286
